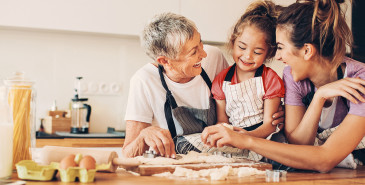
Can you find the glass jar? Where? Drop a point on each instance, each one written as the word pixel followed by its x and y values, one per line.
pixel 6 135
pixel 21 98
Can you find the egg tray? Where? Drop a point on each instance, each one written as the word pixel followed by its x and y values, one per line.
pixel 30 170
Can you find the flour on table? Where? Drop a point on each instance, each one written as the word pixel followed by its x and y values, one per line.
pixel 214 174
pixel 191 158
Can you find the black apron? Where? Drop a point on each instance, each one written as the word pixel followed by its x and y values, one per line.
pixel 191 120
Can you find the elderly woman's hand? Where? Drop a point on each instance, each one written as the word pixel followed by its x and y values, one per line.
pixel 160 140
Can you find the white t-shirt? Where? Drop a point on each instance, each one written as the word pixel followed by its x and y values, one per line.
pixel 147 96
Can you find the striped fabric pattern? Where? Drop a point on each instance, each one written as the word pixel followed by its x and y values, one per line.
pixel 244 107
pixel 194 120
pixel 244 102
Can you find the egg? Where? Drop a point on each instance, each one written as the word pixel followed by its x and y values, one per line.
pixel 87 162
pixel 68 161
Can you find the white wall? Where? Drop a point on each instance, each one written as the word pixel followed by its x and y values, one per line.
pixel 54 58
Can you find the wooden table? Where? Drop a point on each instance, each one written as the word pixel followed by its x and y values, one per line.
pixel 336 176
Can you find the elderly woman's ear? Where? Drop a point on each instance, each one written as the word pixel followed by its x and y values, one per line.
pixel 162 60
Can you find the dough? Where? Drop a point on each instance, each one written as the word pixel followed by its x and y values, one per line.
pixel 214 174
pixel 191 158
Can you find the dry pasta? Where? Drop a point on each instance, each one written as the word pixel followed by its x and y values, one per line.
pixel 20 99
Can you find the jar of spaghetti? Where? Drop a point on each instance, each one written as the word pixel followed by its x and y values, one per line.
pixel 21 98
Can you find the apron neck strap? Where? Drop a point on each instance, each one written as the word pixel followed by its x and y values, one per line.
pixel 170 102
pixel 231 71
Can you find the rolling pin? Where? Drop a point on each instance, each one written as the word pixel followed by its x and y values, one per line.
pixel 56 154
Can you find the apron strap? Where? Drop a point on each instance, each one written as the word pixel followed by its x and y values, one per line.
pixel 170 102
pixel 231 71
pixel 307 99
pixel 206 79
pixel 259 71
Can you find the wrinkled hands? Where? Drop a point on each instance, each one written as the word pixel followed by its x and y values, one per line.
pixel 160 140
pixel 350 88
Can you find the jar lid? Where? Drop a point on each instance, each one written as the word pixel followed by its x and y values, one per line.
pixel 18 79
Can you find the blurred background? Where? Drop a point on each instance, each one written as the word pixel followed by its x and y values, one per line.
pixel 55 41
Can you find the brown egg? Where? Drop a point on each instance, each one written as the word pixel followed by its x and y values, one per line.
pixel 68 161
pixel 87 162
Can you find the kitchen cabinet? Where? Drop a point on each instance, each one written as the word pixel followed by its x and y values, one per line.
pixel 214 18
pixel 119 17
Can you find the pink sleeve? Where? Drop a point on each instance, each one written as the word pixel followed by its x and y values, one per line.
pixel 273 84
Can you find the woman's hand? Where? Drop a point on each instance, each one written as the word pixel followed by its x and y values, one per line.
pixel 350 88
pixel 160 140
pixel 279 117
pixel 219 136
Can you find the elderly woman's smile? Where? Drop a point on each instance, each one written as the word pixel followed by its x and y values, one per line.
pixel 188 63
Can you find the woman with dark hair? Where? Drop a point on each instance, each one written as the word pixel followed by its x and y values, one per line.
pixel 324 100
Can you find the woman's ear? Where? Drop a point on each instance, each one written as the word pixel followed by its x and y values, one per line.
pixel 162 60
pixel 309 51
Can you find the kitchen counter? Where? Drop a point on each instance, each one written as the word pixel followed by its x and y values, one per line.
pixel 109 139
pixel 336 176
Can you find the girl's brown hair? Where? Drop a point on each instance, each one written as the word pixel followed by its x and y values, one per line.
pixel 262 15
pixel 320 23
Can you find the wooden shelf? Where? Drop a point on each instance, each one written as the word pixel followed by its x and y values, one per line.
pixel 81 142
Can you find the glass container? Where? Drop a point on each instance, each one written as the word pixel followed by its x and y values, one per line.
pixel 21 97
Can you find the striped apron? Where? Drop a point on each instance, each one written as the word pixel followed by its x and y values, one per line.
pixel 191 120
pixel 244 107
pixel 354 158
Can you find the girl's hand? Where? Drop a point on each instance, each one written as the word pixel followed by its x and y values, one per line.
pixel 240 130
pixel 219 136
pixel 350 88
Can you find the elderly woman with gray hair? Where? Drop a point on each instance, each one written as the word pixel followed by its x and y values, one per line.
pixel 171 97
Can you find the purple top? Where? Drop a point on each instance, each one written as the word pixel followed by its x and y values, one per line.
pixel 295 91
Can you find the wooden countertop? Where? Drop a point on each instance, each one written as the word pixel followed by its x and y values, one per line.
pixel 81 142
pixel 336 176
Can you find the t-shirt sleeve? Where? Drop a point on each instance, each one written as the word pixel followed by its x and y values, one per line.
pixel 273 84
pixel 293 95
pixel 217 85
pixel 358 71
pixel 138 106
pixel 215 61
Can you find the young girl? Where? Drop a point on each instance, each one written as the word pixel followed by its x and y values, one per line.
pixel 248 93
pixel 311 39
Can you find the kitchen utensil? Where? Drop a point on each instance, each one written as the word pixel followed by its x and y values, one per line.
pixel 149 154
pixel 228 155
pixel 56 154
pixel 80 112
pixel 275 175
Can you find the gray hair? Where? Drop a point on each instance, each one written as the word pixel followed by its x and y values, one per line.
pixel 165 35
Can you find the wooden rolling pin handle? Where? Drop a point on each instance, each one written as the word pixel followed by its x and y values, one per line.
pixel 125 162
